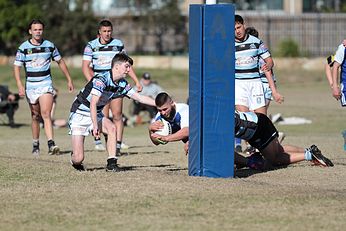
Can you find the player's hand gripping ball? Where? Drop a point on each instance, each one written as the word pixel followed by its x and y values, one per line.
pixel 164 131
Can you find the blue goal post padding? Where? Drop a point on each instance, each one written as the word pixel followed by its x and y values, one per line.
pixel 211 90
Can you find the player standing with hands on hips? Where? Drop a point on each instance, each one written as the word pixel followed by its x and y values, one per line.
pixel 35 55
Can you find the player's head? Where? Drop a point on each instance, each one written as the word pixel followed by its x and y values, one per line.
pixel 239 28
pixel 35 29
pixel 105 30
pixel 252 31
pixel 121 64
pixel 165 105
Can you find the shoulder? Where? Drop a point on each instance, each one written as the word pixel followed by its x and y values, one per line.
pixel 48 43
pixel 117 42
pixel 24 45
pixel 253 39
pixel 182 107
pixel 93 43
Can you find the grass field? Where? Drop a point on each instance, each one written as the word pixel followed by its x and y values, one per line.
pixel 155 192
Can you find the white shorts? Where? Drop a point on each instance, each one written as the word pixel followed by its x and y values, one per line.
pixel 81 125
pixel 249 93
pixel 32 95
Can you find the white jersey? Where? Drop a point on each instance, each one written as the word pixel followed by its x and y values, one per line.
pixel 180 119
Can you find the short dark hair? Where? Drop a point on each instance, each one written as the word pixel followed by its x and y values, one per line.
pixel 162 98
pixel 238 19
pixel 35 21
pixel 121 58
pixel 251 31
pixel 106 23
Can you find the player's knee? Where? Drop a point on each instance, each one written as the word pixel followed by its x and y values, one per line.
pixel 111 129
pixel 45 114
pixel 77 158
pixel 35 116
pixel 117 117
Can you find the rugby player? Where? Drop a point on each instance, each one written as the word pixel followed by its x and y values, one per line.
pixel 97 58
pixel 259 131
pixel 35 55
pixel 86 112
pixel 177 114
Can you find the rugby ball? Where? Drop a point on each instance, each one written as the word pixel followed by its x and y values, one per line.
pixel 165 131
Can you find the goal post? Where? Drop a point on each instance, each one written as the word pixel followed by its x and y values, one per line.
pixel 211 90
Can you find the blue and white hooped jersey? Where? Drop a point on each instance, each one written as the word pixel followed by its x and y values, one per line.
pixel 180 119
pixel 101 55
pixel 245 124
pixel 263 76
pixel 340 57
pixel 100 85
pixel 247 54
pixel 37 60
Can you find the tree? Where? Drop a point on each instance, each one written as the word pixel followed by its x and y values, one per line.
pixel 162 18
pixel 68 28
pixel 14 19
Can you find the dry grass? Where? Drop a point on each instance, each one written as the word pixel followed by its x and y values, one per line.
pixel 155 193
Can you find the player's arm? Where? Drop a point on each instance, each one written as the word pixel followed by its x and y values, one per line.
pixel 64 70
pixel 335 83
pixel 16 72
pixel 133 76
pixel 179 135
pixel 86 69
pixel 93 115
pixel 269 64
pixel 143 99
pixel 276 95
pixel 328 71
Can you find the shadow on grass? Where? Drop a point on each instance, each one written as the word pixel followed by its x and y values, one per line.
pixel 14 125
pixel 132 168
pixel 246 172
pixel 64 152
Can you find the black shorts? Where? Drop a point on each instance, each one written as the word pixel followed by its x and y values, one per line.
pixel 265 133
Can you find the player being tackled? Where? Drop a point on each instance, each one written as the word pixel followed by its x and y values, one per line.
pixel 259 131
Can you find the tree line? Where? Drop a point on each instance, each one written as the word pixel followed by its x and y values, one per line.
pixel 70 28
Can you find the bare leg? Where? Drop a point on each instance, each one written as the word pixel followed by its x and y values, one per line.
pixel 241 108
pixel 109 128
pixel 46 104
pixel 35 121
pixel 78 149
pixel 117 111
pixel 262 110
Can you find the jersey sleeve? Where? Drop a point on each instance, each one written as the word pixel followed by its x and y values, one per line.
pixel 56 54
pixel 20 57
pixel 340 54
pixel 88 52
pixel 263 51
pixel 330 60
pixel 98 87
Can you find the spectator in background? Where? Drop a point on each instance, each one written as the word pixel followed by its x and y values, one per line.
pixel 8 103
pixel 150 89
